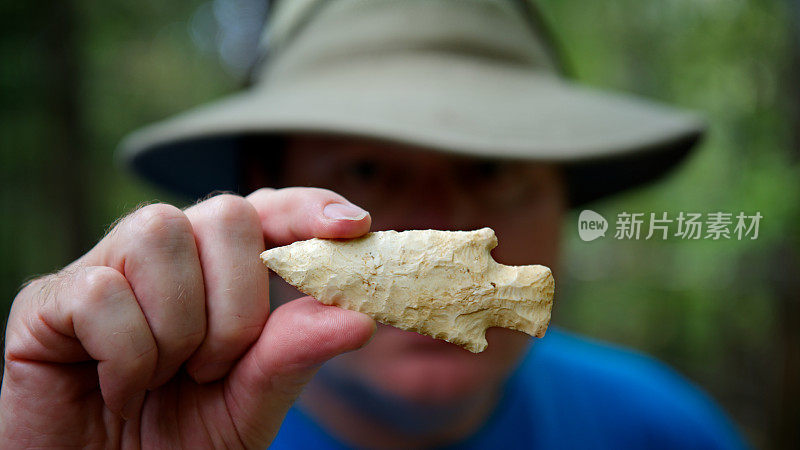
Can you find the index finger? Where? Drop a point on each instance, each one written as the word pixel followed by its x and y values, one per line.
pixel 297 213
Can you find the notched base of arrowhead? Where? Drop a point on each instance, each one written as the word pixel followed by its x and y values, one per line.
pixel 443 284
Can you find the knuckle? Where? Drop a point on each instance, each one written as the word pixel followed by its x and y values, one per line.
pixel 262 194
pixel 160 215
pixel 99 284
pixel 162 224
pixel 264 191
pixel 233 211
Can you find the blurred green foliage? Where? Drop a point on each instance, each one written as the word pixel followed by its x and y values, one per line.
pixel 712 309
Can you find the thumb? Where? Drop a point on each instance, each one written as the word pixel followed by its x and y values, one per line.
pixel 297 338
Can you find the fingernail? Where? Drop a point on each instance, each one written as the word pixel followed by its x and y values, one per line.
pixel 342 211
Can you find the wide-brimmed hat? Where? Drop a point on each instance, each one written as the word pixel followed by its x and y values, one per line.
pixel 469 77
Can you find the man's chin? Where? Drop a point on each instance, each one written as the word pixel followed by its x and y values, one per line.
pixel 418 384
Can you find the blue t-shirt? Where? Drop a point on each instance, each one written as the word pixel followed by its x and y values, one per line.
pixel 572 393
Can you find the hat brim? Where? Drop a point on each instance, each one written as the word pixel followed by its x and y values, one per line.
pixel 464 106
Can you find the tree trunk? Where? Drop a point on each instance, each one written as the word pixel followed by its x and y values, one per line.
pixel 66 186
pixel 786 433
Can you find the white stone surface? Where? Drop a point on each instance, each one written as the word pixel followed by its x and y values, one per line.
pixel 443 284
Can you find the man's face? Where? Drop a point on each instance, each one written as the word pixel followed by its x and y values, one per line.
pixel 406 189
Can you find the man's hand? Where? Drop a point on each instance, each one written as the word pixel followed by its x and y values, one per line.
pixel 159 336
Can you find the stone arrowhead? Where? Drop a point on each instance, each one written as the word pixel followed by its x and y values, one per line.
pixel 443 284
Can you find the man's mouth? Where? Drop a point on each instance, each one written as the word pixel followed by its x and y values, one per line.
pixel 420 342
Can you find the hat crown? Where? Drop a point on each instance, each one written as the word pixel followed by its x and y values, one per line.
pixel 468 77
pixel 302 34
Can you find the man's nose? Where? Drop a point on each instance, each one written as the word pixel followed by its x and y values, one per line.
pixel 432 199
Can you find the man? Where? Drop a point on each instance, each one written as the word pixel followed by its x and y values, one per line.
pixel 440 114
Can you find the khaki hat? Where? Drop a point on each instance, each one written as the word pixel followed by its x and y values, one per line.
pixel 468 77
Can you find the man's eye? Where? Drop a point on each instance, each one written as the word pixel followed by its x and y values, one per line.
pixel 486 171
pixel 363 170
pixel 489 170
